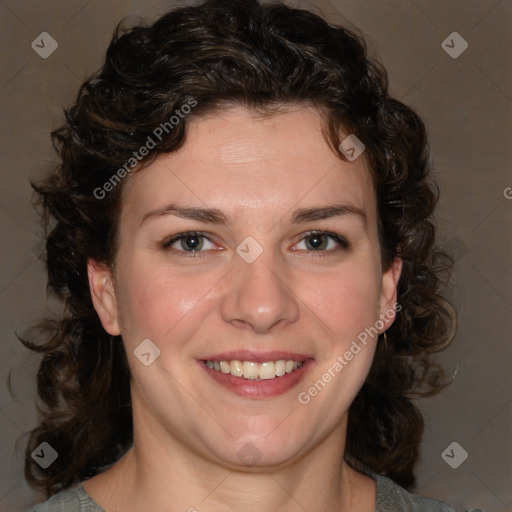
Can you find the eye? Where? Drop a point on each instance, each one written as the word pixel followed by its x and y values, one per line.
pixel 321 241
pixel 189 242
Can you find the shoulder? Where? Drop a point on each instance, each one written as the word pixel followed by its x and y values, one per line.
pixel 391 497
pixel 71 500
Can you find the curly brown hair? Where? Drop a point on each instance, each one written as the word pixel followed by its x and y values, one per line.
pixel 220 53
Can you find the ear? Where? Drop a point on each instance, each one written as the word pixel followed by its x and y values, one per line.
pixel 103 296
pixel 388 294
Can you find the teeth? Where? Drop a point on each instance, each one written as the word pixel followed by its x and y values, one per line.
pixel 250 370
pixel 280 367
pixel 255 371
pixel 225 367
pixel 267 370
pixel 236 368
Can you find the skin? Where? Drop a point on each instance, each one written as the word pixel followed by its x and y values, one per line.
pixel 188 429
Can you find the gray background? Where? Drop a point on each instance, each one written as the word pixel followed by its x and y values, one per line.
pixel 466 103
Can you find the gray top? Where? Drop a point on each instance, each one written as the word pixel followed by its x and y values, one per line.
pixel 390 498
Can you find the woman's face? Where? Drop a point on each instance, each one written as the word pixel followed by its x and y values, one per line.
pixel 254 243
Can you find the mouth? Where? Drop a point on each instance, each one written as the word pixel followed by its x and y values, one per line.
pixel 255 375
pixel 253 370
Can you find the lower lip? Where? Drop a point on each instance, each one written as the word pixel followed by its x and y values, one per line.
pixel 265 388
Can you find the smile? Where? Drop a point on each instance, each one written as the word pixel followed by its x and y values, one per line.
pixel 257 375
pixel 253 370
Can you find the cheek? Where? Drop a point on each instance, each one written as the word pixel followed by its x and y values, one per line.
pixel 347 305
pixel 156 303
pixel 347 302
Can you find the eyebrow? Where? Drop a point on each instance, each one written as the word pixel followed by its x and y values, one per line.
pixel 209 215
pixel 214 216
pixel 327 212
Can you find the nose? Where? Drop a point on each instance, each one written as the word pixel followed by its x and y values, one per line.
pixel 258 296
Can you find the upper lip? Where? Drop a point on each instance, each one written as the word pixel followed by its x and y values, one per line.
pixel 257 357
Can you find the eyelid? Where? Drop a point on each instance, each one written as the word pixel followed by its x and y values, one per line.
pixel 169 241
pixel 339 239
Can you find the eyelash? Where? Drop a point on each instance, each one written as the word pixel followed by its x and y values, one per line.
pixel 338 239
pixel 187 254
pixel 341 241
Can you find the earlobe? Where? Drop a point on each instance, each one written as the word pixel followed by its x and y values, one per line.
pixel 388 297
pixel 101 285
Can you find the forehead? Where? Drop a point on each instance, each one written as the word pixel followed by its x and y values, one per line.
pixel 246 164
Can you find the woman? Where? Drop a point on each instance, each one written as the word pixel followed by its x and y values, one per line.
pixel 241 232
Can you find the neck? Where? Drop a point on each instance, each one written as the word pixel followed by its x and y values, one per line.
pixel 160 471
